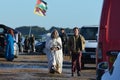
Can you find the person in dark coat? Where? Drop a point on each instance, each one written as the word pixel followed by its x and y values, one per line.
pixel 27 44
pixel 9 52
pixel 32 42
pixel 20 42
pixel 63 36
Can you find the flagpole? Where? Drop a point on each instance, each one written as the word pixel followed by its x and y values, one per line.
pixel 30 31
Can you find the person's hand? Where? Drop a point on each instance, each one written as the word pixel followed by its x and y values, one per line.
pixel 56 48
pixel 52 48
pixel 79 51
pixel 70 52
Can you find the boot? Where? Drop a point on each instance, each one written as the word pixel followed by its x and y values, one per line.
pixel 52 70
pixel 72 74
pixel 78 73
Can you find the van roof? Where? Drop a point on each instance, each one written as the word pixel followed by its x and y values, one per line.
pixel 90 26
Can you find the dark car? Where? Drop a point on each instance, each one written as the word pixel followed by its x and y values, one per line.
pixel 40 47
pixel 2 43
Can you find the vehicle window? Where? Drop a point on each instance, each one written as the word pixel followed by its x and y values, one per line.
pixel 90 33
pixel 1 30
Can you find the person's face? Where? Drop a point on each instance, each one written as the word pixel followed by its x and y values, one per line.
pixel 76 32
pixel 55 34
pixel 62 31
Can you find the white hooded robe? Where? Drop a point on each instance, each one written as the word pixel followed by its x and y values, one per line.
pixel 55 58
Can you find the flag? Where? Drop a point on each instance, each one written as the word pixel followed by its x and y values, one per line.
pixel 40 8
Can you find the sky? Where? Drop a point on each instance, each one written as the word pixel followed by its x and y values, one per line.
pixel 60 13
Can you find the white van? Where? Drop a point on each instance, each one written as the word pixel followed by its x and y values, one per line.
pixel 90 34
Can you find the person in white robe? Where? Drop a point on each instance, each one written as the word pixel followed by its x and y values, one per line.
pixel 54 52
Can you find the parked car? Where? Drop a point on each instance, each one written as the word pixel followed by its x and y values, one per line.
pixel 39 47
pixel 90 34
pixel 3 33
pixel 40 43
pixel 114 72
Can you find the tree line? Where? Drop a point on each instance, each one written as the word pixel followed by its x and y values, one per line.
pixel 37 30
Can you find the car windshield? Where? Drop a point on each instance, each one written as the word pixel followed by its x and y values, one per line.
pixel 1 30
pixel 90 33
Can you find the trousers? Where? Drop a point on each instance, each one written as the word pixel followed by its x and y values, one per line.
pixel 76 61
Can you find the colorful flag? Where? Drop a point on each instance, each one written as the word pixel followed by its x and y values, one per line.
pixel 40 8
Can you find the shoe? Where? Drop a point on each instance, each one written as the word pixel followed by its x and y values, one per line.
pixel 72 75
pixel 78 73
pixel 52 70
pixel 58 71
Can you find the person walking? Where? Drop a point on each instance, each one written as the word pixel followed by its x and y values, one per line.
pixel 32 42
pixel 54 52
pixel 9 52
pixel 76 45
pixel 63 36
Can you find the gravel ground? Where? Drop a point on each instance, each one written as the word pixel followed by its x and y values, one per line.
pixel 34 67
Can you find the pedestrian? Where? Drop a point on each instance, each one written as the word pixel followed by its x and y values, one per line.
pixel 27 44
pixel 63 36
pixel 54 52
pixel 9 52
pixel 32 42
pixel 76 45
pixel 20 42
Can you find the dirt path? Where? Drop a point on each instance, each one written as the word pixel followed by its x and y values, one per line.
pixel 34 67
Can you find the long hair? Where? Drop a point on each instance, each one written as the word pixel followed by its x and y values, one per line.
pixel 10 31
pixel 54 34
